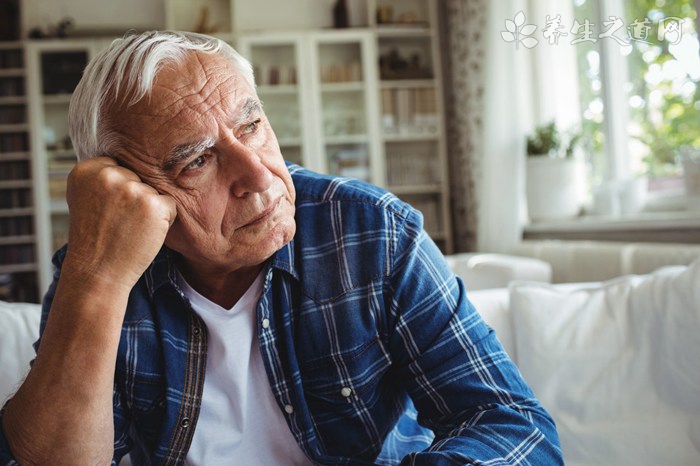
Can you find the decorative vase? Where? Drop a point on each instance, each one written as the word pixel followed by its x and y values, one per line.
pixel 340 14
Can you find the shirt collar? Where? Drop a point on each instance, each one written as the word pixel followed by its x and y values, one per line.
pixel 163 270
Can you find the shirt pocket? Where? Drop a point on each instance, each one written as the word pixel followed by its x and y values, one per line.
pixel 335 384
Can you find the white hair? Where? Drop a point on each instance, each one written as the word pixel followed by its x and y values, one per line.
pixel 123 74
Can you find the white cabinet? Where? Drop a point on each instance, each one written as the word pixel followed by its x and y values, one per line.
pixel 363 102
pixel 276 59
pixel 319 90
pixel 344 83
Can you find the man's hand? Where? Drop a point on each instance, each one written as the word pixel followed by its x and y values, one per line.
pixel 117 223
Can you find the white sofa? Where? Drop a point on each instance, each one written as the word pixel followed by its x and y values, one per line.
pixel 615 362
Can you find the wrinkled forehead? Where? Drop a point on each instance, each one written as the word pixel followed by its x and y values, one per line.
pixel 197 79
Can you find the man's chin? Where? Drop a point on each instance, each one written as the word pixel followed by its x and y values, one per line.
pixel 258 248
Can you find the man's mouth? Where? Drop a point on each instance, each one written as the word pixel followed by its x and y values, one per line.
pixel 265 214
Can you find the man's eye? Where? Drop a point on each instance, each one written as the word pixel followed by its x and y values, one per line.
pixel 251 127
pixel 196 163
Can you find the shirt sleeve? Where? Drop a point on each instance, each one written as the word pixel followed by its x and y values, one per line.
pixel 463 384
pixel 122 441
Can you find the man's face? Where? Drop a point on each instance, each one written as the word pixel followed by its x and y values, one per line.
pixel 203 139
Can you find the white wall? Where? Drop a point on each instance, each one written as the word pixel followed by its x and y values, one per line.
pixel 112 15
pixel 297 14
pixel 118 15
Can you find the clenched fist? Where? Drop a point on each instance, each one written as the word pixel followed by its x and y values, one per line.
pixel 117 223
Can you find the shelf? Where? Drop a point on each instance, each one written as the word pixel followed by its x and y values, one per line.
pixel 346 139
pixel 15 184
pixel 11 72
pixel 14 156
pixel 23 127
pixel 408 137
pixel 403 30
pixel 13 100
pixel 11 45
pixel 407 84
pixel 416 189
pixel 278 89
pixel 354 86
pixel 61 154
pixel 17 212
pixel 18 268
pixel 56 99
pixel 23 239
pixel 638 222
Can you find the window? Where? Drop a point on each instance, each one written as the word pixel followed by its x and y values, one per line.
pixel 639 88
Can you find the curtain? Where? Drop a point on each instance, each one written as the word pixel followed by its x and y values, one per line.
pixel 462 38
pixel 489 108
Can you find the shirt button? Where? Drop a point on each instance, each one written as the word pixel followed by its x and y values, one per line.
pixel 289 409
pixel 346 392
pixel 265 323
pixel 185 423
pixel 196 330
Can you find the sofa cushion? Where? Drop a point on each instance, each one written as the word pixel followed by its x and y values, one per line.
pixel 616 365
pixel 19 329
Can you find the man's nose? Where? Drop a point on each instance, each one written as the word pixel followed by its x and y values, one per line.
pixel 246 170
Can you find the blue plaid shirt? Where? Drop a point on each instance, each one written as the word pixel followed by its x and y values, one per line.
pixel 372 350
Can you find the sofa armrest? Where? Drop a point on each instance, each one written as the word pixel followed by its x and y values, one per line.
pixel 485 271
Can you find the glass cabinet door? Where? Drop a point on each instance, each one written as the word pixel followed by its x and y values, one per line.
pixel 345 83
pixel 278 75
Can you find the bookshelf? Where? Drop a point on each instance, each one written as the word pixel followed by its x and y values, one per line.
pixel 412 113
pixel 54 68
pixel 18 254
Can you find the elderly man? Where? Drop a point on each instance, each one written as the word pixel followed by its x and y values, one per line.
pixel 216 306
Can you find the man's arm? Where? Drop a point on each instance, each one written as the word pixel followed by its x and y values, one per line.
pixel 62 413
pixel 464 386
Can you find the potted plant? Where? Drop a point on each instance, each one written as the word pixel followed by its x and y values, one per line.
pixel 554 176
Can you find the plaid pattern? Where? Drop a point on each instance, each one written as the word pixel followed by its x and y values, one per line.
pixel 371 347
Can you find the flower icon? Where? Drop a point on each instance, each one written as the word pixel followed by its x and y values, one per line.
pixel 518 31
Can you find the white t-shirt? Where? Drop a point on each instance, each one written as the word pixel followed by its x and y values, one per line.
pixel 239 420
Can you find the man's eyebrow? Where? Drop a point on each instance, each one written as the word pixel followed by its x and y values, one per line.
pixel 184 151
pixel 250 107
